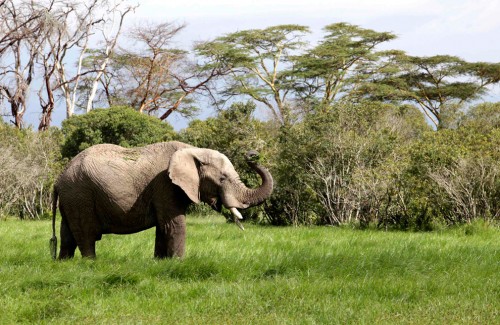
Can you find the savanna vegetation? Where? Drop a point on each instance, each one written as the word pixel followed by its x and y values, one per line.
pixel 352 134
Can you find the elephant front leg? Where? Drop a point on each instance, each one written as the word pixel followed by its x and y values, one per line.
pixel 171 238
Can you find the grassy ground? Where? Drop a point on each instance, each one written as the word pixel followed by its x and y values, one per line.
pixel 264 275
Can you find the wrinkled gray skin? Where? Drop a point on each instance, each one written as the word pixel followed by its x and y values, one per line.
pixel 109 189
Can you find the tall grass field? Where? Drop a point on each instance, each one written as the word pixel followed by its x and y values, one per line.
pixel 264 275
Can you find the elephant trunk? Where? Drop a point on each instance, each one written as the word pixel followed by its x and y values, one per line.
pixel 239 196
pixel 243 197
pixel 258 195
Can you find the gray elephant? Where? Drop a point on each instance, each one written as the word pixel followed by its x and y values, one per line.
pixel 110 189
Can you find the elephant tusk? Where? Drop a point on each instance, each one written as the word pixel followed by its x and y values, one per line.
pixel 236 213
pixel 237 217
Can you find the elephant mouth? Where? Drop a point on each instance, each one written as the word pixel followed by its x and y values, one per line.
pixel 216 204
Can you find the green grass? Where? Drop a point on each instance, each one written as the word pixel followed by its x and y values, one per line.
pixel 265 275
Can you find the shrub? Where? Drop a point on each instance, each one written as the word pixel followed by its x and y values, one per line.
pixel 446 176
pixel 373 163
pixel 471 188
pixel 117 125
pixel 327 165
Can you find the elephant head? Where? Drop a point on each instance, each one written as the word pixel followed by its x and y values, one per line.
pixel 208 176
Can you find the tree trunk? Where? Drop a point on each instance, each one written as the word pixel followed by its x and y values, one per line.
pixel 47 108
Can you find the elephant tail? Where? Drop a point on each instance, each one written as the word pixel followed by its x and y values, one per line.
pixel 53 240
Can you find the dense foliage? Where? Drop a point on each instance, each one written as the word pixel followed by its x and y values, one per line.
pixel 366 163
pixel 234 132
pixel 338 156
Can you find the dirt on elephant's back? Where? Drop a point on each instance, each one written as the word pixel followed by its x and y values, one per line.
pixel 131 154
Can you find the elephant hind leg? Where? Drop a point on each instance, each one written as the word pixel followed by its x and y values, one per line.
pixel 86 240
pixel 68 242
pixel 82 228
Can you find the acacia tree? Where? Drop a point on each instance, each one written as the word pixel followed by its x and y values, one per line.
pixel 258 61
pixel 440 85
pixel 338 64
pixel 110 37
pixel 17 22
pixel 41 36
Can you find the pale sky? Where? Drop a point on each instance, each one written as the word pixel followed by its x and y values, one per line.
pixel 469 29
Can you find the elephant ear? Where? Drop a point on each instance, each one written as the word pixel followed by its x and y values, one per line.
pixel 183 171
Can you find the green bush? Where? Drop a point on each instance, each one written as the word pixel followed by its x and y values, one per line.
pixel 117 125
pixel 326 164
pixel 483 117
pixel 444 177
pixel 374 163
pixel 450 176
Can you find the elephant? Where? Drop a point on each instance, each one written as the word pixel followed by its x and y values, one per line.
pixel 110 189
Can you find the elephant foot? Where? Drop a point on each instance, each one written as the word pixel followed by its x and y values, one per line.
pixel 65 256
pixel 67 252
pixel 162 255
